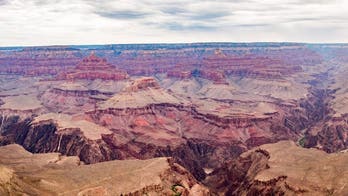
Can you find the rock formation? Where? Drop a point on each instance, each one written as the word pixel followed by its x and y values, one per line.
pixel 282 169
pixel 200 104
pixel 51 174
pixel 38 61
pixel 93 67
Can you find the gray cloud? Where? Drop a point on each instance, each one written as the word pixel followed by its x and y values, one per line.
pixel 174 26
pixel 43 2
pixel 124 14
pixel 304 2
pixel 104 21
pixel 3 2
pixel 173 10
pixel 209 15
pixel 251 25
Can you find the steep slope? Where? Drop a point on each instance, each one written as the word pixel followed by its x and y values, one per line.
pixel 201 104
pixel 142 92
pixel 283 168
pixel 330 133
pixel 93 67
pixel 50 174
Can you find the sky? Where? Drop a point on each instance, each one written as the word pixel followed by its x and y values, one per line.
pixel 67 22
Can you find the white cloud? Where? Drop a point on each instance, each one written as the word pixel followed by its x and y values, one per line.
pixel 39 22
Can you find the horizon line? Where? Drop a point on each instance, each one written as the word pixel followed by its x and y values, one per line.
pixel 176 43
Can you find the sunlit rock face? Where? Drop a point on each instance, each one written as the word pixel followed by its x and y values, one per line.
pixel 282 168
pixel 201 104
pixel 53 174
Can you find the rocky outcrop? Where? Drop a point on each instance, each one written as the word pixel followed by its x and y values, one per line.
pixel 234 176
pixel 52 173
pixel 45 137
pixel 143 84
pixel 281 169
pixel 327 131
pixel 177 73
pixel 79 93
pixel 179 61
pixel 91 68
pixel 38 61
pixel 201 104
pixel 216 76
pixel 331 136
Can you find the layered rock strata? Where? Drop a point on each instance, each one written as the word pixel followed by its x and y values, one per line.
pixel 282 168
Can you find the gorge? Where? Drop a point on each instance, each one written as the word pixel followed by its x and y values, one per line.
pixel 224 115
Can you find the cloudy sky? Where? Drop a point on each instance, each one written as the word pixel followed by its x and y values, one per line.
pixel 62 22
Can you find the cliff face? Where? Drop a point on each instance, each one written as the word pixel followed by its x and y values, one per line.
pixel 135 133
pixel 45 137
pixel 39 61
pixel 91 68
pixel 213 62
pixel 330 131
pixel 282 169
pixel 201 104
pixel 330 135
pixel 50 174
pixel 144 121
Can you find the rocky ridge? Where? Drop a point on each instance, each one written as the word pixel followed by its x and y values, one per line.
pixel 52 174
pixel 201 104
pixel 282 168
pixel 91 68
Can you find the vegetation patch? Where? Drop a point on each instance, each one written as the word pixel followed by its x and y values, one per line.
pixel 175 189
pixel 302 141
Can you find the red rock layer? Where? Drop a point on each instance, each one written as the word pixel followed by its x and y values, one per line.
pixel 179 74
pixel 143 84
pixel 213 61
pixel 215 64
pixel 93 67
pixel 36 61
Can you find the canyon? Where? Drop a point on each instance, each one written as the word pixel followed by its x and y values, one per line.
pixel 282 169
pixel 198 111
